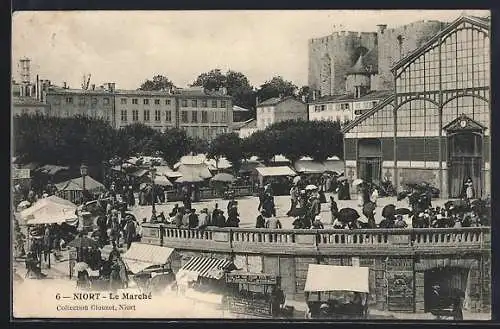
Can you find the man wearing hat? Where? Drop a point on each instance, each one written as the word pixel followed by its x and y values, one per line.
pixel 317 224
pixel 203 219
pixel 400 223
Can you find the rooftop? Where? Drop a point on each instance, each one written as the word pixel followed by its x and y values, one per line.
pixel 371 95
pixel 237 108
pixel 252 123
pixel 276 100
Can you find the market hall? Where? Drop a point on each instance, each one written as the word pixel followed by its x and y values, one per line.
pixel 436 125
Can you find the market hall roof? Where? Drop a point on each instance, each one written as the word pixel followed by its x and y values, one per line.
pixel 478 21
pixel 368 114
pixel 374 94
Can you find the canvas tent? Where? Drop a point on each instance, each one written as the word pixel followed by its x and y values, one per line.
pixel 50 210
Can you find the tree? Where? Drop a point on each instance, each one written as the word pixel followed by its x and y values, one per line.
pixel 228 146
pixel 159 83
pixel 174 143
pixel 275 87
pixel 306 93
pixel 213 80
pixel 236 83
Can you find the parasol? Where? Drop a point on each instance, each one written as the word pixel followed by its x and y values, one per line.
pixel 189 177
pixel 81 266
pixel 311 187
pixel 402 195
pixel 341 179
pixel 402 211
pixel 368 208
pixel 296 179
pixel 162 181
pixel 357 181
pixel 389 210
pixel 24 204
pixel 348 215
pixel 224 178
pixel 83 242
pixel 143 186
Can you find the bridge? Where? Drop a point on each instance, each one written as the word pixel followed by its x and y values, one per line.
pixel 404 263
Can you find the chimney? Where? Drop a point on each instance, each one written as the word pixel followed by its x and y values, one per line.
pixel 64 85
pixel 93 86
pixel 381 28
pixel 112 86
pixel 256 101
pixel 314 95
pixel 37 88
pixel 304 98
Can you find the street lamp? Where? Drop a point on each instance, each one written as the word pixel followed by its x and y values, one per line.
pixel 152 170
pixel 83 172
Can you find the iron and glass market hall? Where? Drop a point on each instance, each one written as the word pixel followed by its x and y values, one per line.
pixel 436 125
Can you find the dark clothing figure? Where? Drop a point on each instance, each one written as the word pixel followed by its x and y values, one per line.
pixel 130 233
pixel 317 225
pixel 386 223
pixel 344 193
pixel 261 222
pixel 130 198
pixel 83 280
pixel 193 220
pixel 220 220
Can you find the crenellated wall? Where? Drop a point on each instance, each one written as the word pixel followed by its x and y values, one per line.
pixel 399 259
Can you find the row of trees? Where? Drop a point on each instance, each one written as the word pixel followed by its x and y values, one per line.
pixel 71 141
pixel 237 85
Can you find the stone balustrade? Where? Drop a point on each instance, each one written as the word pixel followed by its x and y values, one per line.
pixel 325 241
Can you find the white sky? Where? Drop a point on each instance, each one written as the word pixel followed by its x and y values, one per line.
pixel 127 47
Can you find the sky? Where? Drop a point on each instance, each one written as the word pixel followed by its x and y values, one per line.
pixel 128 47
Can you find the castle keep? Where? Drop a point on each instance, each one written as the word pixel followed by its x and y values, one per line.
pixel 332 57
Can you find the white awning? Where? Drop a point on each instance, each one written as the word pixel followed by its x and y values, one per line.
pixel 212 268
pixel 140 256
pixel 309 167
pixel 337 278
pixel 275 171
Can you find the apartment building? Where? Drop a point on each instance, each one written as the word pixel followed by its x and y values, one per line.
pixel 204 114
pixel 279 109
pixel 155 109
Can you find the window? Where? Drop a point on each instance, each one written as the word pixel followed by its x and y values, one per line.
pixel 344 106
pixel 24 111
pixel 323 107
pixel 146 101
pixel 358 112
pixel 157 102
pixel 157 115
pixel 184 103
pixel 94 101
pixel 146 115
pixel 124 115
pixel 194 116
pixel 168 116
pixel 223 104
pixel 135 115
pixel 214 117
pixel 204 103
pixel 106 101
pixel 69 100
pixel 184 116
pixel 204 116
pixel 167 102
pixel 214 103
pixel 224 117
pixel 123 101
pixel 374 103
pixel 81 100
pixel 194 103
pixel 135 101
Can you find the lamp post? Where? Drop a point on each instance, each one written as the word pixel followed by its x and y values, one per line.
pixel 152 170
pixel 83 172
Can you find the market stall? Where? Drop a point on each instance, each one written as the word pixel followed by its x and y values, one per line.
pixel 278 177
pixel 255 294
pixel 73 189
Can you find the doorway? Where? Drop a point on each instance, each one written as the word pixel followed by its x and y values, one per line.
pixel 449 280
pixel 465 161
pixel 370 160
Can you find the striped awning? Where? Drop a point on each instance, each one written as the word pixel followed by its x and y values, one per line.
pixel 211 268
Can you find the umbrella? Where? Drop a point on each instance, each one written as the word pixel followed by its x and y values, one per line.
pixel 189 177
pixel 143 186
pixel 348 215
pixel 341 179
pixel 23 204
pixel 388 210
pixel 368 208
pixel 311 187
pixel 83 242
pixel 162 181
pixel 357 181
pixel 296 179
pixel 223 177
pixel 402 195
pixel 81 266
pixel 402 211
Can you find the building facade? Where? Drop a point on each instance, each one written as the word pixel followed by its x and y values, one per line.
pixel 278 109
pixel 344 108
pixel 436 125
pixel 95 102
pixel 28 105
pixel 330 57
pixel 155 109
pixel 201 113
pixel 204 114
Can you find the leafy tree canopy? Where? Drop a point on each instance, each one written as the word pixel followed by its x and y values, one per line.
pixel 159 83
pixel 275 87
